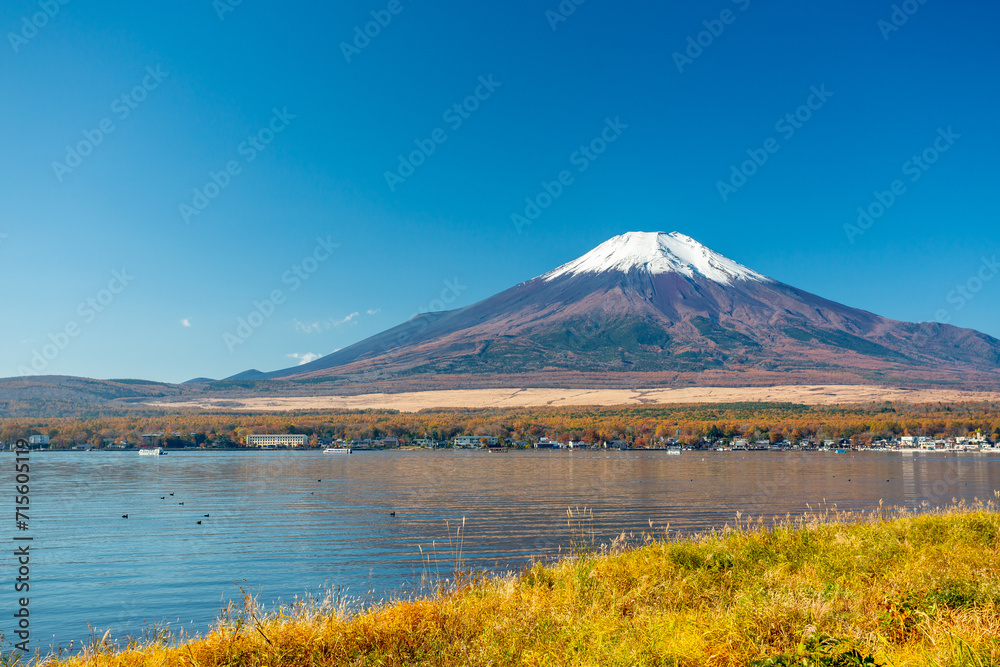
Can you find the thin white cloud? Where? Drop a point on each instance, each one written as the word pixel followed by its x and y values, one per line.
pixel 375 311
pixel 308 327
pixel 185 322
pixel 326 325
pixel 304 358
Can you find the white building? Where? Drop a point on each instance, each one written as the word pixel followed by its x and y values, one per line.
pixel 272 441
pixel 38 440
pixel 475 441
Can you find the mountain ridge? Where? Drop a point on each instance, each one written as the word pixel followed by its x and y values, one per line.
pixel 614 318
pixel 656 304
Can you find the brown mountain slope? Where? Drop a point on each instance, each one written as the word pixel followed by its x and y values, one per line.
pixel 653 309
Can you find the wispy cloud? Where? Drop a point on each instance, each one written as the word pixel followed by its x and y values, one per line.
pixel 304 358
pixel 306 327
pixel 375 311
pixel 326 325
pixel 185 322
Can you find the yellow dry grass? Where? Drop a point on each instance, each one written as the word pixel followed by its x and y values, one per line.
pixel 414 401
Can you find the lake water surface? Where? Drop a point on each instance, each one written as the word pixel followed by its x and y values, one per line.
pixel 284 523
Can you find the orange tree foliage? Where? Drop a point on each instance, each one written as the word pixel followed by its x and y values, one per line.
pixel 592 424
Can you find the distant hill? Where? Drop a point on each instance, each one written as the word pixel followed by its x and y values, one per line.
pixel 62 395
pixel 59 395
pixel 252 374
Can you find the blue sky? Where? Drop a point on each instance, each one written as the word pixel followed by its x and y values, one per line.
pixel 111 259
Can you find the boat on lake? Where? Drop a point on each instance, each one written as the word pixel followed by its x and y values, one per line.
pixel 337 450
pixel 152 451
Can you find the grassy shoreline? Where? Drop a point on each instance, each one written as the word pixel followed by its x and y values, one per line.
pixel 822 589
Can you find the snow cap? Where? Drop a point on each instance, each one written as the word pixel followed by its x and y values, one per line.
pixel 656 252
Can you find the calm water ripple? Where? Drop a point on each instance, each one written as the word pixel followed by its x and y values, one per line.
pixel 284 523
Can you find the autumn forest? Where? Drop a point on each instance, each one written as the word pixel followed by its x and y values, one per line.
pixel 639 426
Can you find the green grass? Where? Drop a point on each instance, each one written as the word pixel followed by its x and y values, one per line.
pixel 886 588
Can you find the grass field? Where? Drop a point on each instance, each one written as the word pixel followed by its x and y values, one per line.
pixel 885 588
pixel 413 401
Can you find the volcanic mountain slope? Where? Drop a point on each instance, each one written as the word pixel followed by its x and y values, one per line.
pixel 659 308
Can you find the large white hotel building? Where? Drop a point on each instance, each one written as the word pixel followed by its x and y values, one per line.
pixel 266 441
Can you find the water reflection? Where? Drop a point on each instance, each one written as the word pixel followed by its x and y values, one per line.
pixel 288 522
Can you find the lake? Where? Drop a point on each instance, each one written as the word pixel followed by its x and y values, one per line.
pixel 284 523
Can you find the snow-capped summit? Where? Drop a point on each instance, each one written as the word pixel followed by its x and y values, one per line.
pixel 656 252
pixel 662 309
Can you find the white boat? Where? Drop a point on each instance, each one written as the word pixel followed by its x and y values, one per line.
pixel 674 451
pixel 337 450
pixel 152 451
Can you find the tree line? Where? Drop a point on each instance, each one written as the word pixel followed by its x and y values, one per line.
pixel 637 425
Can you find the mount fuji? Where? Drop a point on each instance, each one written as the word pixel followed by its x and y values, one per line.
pixel 655 309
